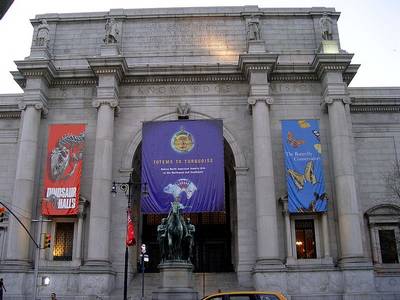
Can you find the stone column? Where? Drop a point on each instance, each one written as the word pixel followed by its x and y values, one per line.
pixel 33 104
pixel 99 226
pixel 336 97
pixel 325 234
pixel 266 210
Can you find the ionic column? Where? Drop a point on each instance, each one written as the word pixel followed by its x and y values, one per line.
pixel 266 217
pixel 350 232
pixel 100 208
pixel 24 187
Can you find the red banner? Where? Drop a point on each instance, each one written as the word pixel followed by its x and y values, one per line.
pixel 63 169
pixel 130 231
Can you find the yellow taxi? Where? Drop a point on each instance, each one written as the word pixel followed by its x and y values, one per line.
pixel 246 295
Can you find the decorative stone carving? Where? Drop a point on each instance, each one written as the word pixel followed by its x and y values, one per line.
pixel 331 99
pixel 326 27
pixel 112 32
pixel 183 110
pixel 253 29
pixel 42 35
pixel 253 100
pixel 37 105
pixel 98 102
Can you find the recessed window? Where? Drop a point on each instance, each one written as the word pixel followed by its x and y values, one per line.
pixel 305 239
pixel 63 242
pixel 387 241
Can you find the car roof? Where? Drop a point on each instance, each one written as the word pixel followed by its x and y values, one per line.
pixel 278 294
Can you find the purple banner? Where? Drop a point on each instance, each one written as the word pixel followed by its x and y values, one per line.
pixel 183 159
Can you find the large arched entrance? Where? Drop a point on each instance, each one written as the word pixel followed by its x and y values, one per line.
pixel 215 232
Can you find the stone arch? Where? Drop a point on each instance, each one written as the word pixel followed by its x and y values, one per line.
pixel 130 149
pixel 383 210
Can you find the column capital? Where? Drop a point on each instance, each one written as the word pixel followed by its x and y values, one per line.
pixel 38 105
pixel 330 99
pixel 113 103
pixel 252 100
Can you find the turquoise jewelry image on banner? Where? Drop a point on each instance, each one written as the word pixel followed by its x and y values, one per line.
pixel 304 169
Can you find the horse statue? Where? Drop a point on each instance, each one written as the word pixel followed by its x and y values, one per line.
pixel 176 230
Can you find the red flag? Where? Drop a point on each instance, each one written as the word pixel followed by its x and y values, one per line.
pixel 130 231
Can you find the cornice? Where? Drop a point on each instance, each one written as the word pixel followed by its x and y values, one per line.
pixel 264 62
pixel 375 105
pixel 109 65
pixel 36 68
pixel 331 63
pixel 10 111
pixel 257 62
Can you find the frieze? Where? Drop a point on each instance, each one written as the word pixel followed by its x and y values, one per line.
pixel 295 88
pixel 184 90
pixel 183 79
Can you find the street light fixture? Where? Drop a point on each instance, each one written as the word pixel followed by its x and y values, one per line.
pixel 127 188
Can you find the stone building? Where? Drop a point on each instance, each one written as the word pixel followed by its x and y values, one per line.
pixel 251 67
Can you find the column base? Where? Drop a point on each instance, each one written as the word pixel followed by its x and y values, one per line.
pixel 97 266
pixel 272 264
pixel 17 264
pixel 357 263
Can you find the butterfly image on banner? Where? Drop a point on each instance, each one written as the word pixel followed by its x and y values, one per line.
pixel 292 141
pixel 299 179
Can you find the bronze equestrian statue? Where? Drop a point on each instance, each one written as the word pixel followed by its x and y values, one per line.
pixel 175 236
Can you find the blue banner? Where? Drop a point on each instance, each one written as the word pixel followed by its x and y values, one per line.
pixel 304 170
pixel 183 159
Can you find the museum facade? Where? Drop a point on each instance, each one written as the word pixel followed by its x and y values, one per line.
pixel 253 68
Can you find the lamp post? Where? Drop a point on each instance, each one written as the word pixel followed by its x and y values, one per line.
pixel 127 188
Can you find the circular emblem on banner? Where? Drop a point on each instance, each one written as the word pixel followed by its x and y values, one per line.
pixel 182 141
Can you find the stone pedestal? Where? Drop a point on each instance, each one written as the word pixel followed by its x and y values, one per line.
pixel 328 47
pixel 176 280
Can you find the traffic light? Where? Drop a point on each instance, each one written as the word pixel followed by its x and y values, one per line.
pixel 2 212
pixel 47 240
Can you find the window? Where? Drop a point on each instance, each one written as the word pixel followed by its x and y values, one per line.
pixel 387 241
pixel 383 221
pixel 305 239
pixel 63 242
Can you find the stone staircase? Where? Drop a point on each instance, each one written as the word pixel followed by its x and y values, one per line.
pixel 205 284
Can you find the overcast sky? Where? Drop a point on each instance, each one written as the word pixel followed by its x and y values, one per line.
pixel 368 28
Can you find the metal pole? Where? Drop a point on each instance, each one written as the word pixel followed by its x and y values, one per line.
pixel 37 257
pixel 126 274
pixel 142 259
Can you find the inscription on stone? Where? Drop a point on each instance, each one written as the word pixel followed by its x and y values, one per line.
pixel 189 89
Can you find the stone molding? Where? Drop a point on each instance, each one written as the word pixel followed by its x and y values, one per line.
pixel 37 68
pixel 262 62
pixel 331 63
pixel 112 65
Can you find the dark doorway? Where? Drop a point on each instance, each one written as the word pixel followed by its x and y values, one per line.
pixel 213 238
